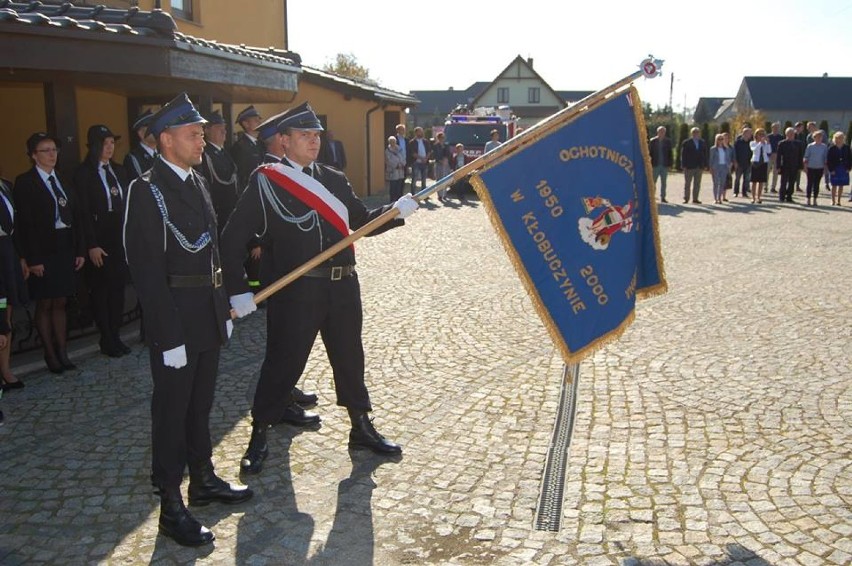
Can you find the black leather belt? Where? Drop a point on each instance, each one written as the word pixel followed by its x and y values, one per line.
pixel 214 280
pixel 334 273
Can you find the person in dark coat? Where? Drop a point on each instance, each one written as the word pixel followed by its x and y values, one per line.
pixel 742 161
pixel 51 242
pixel 789 162
pixel 12 273
pixel 694 159
pixel 101 184
pixel 332 152
pixel 141 156
pixel 218 168
pixel 172 249
pixel 660 149
pixel 247 151
pixel 300 208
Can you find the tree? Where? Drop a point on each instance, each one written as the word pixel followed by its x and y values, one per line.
pixel 347 65
pixel 824 127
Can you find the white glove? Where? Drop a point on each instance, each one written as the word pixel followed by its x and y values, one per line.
pixel 243 304
pixel 176 357
pixel 406 206
pixel 229 327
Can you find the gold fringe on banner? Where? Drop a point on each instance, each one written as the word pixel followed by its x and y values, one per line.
pixel 577 356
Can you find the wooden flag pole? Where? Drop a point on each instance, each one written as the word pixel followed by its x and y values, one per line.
pixel 649 68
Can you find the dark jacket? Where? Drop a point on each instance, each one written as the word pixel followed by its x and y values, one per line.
pixel 838 157
pixel 35 223
pixel 101 228
pixel 193 316
pixel 247 155
pixel 692 157
pixel 220 171
pixel 286 245
pixel 337 159
pixel 742 152
pixel 136 162
pixel 654 149
pixel 790 155
pixel 411 151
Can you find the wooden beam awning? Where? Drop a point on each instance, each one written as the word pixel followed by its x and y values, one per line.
pixel 137 60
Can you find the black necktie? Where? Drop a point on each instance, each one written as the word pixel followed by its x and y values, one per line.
pixel 308 171
pixel 6 223
pixel 114 189
pixel 61 202
pixel 760 155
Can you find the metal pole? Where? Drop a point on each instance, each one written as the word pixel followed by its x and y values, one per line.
pixel 489 159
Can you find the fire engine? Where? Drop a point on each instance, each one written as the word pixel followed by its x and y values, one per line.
pixel 473 128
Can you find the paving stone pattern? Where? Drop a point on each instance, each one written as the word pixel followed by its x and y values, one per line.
pixel 715 432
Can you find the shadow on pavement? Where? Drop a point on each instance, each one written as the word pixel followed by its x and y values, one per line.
pixel 735 554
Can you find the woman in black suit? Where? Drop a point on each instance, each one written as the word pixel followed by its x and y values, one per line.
pixel 12 273
pixel 50 243
pixel 101 185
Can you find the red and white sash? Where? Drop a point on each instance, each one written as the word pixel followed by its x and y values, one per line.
pixel 310 192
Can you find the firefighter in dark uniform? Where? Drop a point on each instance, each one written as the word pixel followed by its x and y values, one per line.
pixel 219 169
pixel 172 250
pixel 101 184
pixel 326 299
pixel 141 156
pixel 248 154
pixel 247 151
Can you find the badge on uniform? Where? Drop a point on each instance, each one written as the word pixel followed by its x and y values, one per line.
pixel 62 201
pixel 113 191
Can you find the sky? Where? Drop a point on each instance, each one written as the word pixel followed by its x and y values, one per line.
pixel 708 47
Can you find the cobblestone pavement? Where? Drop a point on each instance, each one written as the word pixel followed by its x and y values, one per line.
pixel 716 431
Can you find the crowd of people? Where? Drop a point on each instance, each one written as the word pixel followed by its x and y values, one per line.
pixel 193 224
pixel 419 157
pixel 754 158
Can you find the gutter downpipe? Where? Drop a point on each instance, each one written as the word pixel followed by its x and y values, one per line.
pixel 369 163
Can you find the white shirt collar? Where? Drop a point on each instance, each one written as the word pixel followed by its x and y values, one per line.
pixel 251 138
pixel 44 174
pixel 179 171
pixel 299 167
pixel 214 145
pixel 150 151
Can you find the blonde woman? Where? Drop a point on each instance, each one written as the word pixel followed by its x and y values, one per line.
pixel 720 166
pixel 838 161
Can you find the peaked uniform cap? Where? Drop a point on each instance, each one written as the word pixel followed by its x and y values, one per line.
pixel 178 112
pixel 247 113
pixel 302 117
pixel 142 120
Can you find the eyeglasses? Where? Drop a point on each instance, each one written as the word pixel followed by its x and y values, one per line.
pixel 50 150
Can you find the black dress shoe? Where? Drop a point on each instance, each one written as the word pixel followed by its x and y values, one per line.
pixel 304 399
pixel 256 452
pixel 9 385
pixel 53 365
pixel 297 416
pixel 111 351
pixel 179 525
pixel 365 435
pixel 65 362
pixel 206 487
pixel 122 346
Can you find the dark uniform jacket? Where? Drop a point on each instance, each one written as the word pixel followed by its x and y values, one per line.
pixel 247 156
pixel 35 223
pixel 286 246
pixel 101 229
pixel 220 171
pixel 194 316
pixel 137 161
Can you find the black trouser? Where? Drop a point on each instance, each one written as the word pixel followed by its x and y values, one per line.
pixel 396 186
pixel 293 317
pixel 814 178
pixel 180 415
pixel 789 178
pixel 106 286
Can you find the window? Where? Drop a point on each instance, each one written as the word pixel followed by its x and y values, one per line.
pixel 534 95
pixel 182 9
pixel 502 95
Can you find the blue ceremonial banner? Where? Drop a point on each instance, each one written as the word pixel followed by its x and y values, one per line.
pixel 576 216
